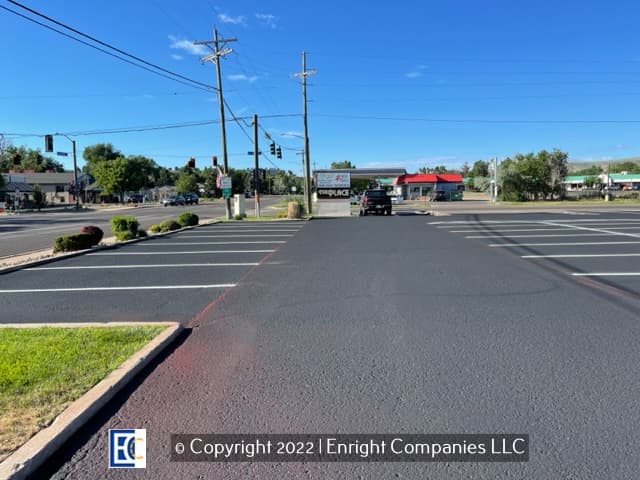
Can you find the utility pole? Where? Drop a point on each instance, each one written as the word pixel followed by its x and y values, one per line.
pixel 307 173
pixel 256 170
pixel 219 51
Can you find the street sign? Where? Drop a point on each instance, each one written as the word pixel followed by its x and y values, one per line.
pixel 225 186
pixel 251 153
pixel 62 154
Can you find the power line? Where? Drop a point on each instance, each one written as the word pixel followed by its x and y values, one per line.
pixel 193 83
pixel 440 120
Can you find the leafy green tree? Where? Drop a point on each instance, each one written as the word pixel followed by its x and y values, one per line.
pixel 142 172
pixel 164 177
pixel 186 182
pixel 22 158
pixel 38 197
pixel 112 176
pixel 628 166
pixel 100 152
pixel 591 181
pixel 342 164
pixel 480 168
pixel 465 169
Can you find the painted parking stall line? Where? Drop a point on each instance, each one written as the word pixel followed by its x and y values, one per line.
pixel 607 247
pixel 110 289
pixel 183 252
pixel 159 265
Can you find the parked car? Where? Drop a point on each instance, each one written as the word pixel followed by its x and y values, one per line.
pixel 135 198
pixel 375 201
pixel 173 200
pixel 248 194
pixel 190 198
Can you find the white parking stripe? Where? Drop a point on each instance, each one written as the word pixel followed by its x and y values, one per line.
pixel 607 274
pixel 243 242
pixel 509 230
pixel 106 289
pixel 543 235
pixel 559 244
pixel 584 255
pixel 623 221
pixel 591 229
pixel 159 265
pixel 196 252
pixel 234 236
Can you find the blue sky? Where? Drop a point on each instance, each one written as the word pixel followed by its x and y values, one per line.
pixel 406 83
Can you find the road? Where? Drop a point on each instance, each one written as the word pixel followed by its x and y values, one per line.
pixel 36 231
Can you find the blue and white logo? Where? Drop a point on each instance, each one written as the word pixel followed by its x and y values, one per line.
pixel 127 448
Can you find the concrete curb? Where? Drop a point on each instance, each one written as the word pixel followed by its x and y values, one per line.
pixel 23 462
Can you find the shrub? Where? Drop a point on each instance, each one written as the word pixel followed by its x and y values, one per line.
pixel 124 236
pixel 155 228
pixel 142 234
pixel 124 227
pixel 169 225
pixel 240 216
pixel 188 219
pixel 95 232
pixel 73 242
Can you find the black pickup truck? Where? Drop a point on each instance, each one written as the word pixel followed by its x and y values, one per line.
pixel 375 201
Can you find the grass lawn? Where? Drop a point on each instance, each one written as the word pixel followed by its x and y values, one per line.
pixel 44 369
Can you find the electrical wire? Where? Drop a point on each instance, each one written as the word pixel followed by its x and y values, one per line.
pixel 194 83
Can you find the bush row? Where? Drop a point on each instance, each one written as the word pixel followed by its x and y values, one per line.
pixel 89 236
pixel 185 219
pixel 123 227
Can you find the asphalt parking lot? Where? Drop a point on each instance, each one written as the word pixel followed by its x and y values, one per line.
pixel 163 278
pixel 600 246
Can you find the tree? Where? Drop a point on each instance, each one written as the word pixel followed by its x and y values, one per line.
pixel 22 158
pixel 342 164
pixel 93 154
pixel 480 169
pixel 591 181
pixel 630 167
pixel 142 172
pixel 38 197
pixel 111 175
pixel 186 183
pixel 465 169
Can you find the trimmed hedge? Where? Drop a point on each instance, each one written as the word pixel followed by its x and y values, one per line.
pixel 124 227
pixel 155 228
pixel 95 232
pixel 73 242
pixel 169 225
pixel 188 219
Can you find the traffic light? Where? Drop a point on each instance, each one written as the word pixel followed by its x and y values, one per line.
pixel 191 163
pixel 48 143
pixel 215 161
pixel 279 152
pixel 273 148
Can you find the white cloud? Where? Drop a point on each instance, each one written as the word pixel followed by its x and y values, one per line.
pixel 412 165
pixel 176 56
pixel 239 20
pixel 413 74
pixel 291 133
pixel 187 46
pixel 267 19
pixel 242 77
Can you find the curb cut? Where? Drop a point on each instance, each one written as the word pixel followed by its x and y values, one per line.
pixel 29 457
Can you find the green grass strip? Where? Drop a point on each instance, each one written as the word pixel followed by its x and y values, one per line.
pixel 44 369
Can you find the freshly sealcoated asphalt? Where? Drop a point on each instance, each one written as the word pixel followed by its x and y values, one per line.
pixel 385 325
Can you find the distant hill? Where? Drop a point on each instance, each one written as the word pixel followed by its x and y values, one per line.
pixel 580 165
